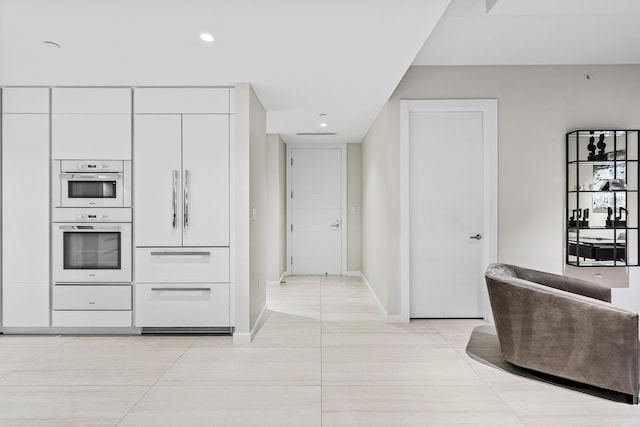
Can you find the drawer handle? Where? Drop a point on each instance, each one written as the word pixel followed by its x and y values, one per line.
pixel 181 289
pixel 171 253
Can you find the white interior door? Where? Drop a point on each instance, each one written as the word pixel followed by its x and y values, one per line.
pixel 315 211
pixel 446 213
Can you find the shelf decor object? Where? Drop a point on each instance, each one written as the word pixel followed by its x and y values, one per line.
pixel 602 202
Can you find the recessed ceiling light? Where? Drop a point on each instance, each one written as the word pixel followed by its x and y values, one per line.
pixel 206 37
pixel 51 44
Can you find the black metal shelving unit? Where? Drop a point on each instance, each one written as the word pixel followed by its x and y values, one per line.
pixel 602 202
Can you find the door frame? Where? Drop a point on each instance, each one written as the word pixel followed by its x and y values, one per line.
pixel 489 108
pixel 343 200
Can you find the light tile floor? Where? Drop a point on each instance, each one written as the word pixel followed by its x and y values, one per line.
pixel 324 356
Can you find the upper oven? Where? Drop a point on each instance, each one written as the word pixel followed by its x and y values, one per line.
pixel 81 183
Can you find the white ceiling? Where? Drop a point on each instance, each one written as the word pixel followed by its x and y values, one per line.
pixel 516 32
pixel 303 57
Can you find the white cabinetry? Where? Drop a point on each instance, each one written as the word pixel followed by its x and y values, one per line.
pixel 182 207
pixel 25 207
pixel 91 123
pixel 182 180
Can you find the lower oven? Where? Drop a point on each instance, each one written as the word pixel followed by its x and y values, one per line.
pixel 92 252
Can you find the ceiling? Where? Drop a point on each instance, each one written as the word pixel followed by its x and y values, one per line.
pixel 517 32
pixel 303 58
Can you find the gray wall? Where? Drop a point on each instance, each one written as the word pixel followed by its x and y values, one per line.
pixel 276 208
pixel 537 105
pixel 250 194
pixel 354 207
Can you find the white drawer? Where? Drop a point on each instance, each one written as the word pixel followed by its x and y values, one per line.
pixel 191 265
pixel 91 319
pixel 97 297
pixel 182 305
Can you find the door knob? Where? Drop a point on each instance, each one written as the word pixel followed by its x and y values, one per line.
pixel 477 237
pixel 336 225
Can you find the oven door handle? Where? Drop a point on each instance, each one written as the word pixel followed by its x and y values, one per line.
pixel 90 176
pixel 90 227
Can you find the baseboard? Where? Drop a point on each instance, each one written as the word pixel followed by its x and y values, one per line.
pixel 273 282
pixel 73 330
pixel 388 318
pixel 394 318
pixel 247 337
pixel 241 338
pixel 353 274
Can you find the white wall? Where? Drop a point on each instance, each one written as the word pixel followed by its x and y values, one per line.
pixel 537 105
pixel 276 208
pixel 250 230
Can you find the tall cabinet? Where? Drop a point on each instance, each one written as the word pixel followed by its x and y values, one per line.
pixel 25 207
pixel 181 200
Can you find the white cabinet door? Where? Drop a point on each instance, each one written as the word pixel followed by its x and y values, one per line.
pixel 91 100
pixel 158 180
pixel 25 100
pixel 25 305
pixel 205 162
pixel 182 100
pixel 25 198
pixel 25 218
pixel 91 136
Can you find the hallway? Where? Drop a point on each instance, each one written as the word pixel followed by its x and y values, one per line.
pixel 324 356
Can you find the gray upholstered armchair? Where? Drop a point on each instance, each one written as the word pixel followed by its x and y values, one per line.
pixel 564 327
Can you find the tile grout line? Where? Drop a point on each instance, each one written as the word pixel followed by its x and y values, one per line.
pixel 40 356
pixel 493 390
pixel 152 386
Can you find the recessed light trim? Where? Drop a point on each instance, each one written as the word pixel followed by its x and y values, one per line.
pixel 206 37
pixel 49 43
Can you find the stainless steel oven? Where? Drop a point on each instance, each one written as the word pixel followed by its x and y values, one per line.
pixel 90 183
pixel 92 246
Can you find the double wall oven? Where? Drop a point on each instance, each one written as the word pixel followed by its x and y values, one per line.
pixel 92 236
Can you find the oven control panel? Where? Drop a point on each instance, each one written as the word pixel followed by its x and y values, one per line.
pixel 93 165
pixel 92 215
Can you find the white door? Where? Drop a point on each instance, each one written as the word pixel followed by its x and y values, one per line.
pixel 446 213
pixel 205 178
pixel 158 180
pixel 315 211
